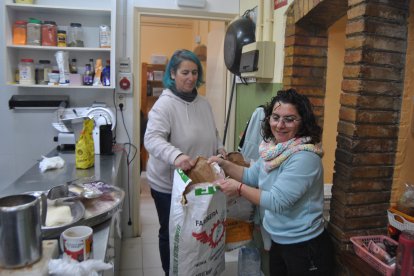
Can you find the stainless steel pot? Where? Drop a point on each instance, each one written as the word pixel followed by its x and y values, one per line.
pixel 20 231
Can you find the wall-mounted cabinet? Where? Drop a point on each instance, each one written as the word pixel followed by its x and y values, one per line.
pixel 91 14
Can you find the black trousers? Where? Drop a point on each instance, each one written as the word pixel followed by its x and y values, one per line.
pixel 313 257
pixel 162 204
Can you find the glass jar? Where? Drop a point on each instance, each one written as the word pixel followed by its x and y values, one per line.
pixel 26 71
pixel 42 72
pixel 20 32
pixel 75 35
pixel 61 38
pixel 34 32
pixel 49 33
pixel 73 68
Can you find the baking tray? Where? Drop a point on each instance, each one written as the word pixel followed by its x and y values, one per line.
pixel 96 210
pixel 77 210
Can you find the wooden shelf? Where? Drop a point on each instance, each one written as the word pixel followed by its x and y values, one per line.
pixel 147 101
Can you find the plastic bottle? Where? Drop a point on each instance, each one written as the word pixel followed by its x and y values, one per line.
pixel 249 262
pixel 106 74
pixel 91 62
pixel 26 71
pixel 34 32
pixel 88 76
pixel 405 254
pixel 19 32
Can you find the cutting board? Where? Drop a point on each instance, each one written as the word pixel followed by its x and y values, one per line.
pixel 39 268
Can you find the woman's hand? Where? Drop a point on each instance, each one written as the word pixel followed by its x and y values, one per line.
pixel 184 162
pixel 217 159
pixel 222 153
pixel 229 186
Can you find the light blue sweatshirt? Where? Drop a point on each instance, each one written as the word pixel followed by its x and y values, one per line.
pixel 291 201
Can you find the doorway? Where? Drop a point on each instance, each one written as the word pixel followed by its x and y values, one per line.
pixel 160 33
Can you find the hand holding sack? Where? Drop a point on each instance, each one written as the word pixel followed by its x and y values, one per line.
pixel 197 221
pixel 85 150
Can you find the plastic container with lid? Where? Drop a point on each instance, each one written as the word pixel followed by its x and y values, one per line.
pixel 42 72
pixel 61 38
pixel 26 71
pixel 34 32
pixel 20 32
pixel 49 33
pixel 75 35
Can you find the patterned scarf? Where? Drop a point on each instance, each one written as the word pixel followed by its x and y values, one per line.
pixel 275 154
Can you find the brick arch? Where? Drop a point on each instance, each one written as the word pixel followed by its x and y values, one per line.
pixel 372 86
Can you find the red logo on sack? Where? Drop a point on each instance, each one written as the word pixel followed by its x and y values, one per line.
pixel 216 234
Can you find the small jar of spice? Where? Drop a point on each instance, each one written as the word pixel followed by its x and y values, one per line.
pixel 49 33
pixel 61 38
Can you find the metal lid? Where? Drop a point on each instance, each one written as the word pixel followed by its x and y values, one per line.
pixel 49 23
pixel 78 25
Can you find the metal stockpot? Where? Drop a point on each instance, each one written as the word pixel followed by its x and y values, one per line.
pixel 20 231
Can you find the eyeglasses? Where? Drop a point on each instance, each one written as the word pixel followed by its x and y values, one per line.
pixel 287 121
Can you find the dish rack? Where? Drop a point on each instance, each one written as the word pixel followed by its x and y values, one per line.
pixel 400 220
pixel 361 249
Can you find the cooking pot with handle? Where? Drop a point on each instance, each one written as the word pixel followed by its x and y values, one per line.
pixel 20 230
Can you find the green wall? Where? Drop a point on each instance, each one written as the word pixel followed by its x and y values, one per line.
pixel 248 98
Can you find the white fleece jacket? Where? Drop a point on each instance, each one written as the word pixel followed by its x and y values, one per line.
pixel 174 127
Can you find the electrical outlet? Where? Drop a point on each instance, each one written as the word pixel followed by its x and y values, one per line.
pixel 120 99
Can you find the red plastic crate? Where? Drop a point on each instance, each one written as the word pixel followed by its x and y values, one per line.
pixel 361 249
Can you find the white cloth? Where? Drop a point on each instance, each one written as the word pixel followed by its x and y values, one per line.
pixel 48 163
pixel 69 267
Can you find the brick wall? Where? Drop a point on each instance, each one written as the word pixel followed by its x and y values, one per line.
pixel 372 86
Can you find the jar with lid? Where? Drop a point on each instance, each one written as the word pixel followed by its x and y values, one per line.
pixel 75 35
pixel 42 72
pixel 20 32
pixel 73 68
pixel 61 38
pixel 34 32
pixel 49 33
pixel 26 71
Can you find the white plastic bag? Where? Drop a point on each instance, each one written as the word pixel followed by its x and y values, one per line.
pixel 197 228
pixel 48 163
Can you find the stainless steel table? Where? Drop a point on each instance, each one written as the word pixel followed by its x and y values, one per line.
pixel 108 168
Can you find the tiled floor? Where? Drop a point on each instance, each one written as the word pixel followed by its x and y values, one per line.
pixel 140 256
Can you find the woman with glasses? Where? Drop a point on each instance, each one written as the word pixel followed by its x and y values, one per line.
pixel 287 184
